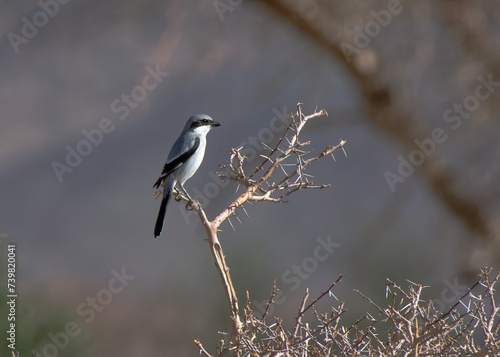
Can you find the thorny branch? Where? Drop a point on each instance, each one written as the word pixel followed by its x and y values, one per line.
pixel 407 326
pixel 289 151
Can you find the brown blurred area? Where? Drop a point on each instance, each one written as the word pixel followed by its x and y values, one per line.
pixel 93 94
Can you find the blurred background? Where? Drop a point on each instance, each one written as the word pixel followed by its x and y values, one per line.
pixel 93 94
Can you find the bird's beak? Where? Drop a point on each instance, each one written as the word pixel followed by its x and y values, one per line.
pixel 215 123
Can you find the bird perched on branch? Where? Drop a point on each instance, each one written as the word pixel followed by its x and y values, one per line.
pixel 184 159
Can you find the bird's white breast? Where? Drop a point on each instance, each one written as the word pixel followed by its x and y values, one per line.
pixel 193 163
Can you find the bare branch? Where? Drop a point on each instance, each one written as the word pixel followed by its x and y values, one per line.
pixel 201 348
pixel 258 188
pixel 271 300
pixel 300 314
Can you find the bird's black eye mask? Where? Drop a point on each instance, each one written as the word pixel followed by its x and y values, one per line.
pixel 199 123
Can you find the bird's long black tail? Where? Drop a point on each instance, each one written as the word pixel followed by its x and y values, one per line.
pixel 161 214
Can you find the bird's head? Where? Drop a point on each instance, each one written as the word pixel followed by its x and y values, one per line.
pixel 201 123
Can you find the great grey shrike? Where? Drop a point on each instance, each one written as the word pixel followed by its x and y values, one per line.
pixel 184 159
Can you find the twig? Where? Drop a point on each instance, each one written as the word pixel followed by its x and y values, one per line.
pixel 201 348
pixel 300 313
pixel 323 294
pixel 271 300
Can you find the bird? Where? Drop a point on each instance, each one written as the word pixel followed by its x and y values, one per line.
pixel 183 161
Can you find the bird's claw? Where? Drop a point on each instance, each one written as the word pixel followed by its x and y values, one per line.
pixel 193 205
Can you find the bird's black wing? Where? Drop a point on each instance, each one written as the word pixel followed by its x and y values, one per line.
pixel 176 163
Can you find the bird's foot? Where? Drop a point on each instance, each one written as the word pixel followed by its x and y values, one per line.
pixel 193 205
pixel 178 196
